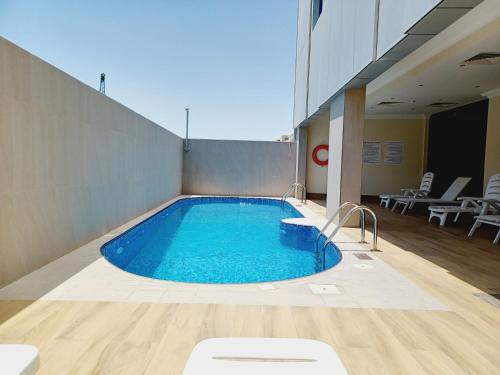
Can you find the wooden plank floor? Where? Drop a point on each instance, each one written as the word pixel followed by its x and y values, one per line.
pixel 143 338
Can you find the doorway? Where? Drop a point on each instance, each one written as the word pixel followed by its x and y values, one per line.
pixel 456 147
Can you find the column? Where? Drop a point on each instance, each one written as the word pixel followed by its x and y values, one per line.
pixel 347 117
pixel 300 165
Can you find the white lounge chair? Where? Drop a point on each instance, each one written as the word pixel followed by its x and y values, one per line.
pixel 18 359
pixel 487 219
pixel 471 205
pixel 263 356
pixel 448 197
pixel 422 192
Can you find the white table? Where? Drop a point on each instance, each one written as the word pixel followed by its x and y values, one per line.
pixel 263 356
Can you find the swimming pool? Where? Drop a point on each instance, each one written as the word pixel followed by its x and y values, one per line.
pixel 221 240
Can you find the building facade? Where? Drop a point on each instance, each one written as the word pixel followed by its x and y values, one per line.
pixel 373 75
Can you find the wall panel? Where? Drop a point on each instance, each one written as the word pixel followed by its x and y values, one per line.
pixel 74 163
pixel 251 168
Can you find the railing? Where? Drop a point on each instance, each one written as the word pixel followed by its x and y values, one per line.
pixel 343 220
pixel 295 186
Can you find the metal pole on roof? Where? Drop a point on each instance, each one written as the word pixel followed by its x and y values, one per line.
pixel 102 86
pixel 186 141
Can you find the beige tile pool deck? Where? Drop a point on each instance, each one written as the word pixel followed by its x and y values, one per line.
pixel 84 275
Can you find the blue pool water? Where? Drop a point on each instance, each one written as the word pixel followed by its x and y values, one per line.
pixel 221 240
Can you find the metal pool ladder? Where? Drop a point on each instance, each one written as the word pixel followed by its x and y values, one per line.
pixel 294 186
pixel 355 208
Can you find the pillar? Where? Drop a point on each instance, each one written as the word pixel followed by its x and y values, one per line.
pixel 300 165
pixel 345 160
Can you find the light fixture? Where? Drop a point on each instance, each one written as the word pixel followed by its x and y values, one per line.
pixel 441 104
pixel 485 58
pixel 388 103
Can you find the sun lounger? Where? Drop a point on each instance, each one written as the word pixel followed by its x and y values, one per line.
pixel 17 359
pixel 448 197
pixel 490 220
pixel 471 205
pixel 422 192
pixel 263 356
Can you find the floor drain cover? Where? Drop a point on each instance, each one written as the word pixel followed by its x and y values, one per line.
pixel 324 289
pixel 363 256
pixel 363 266
pixel 493 299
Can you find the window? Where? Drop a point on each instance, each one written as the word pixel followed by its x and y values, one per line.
pixel 317 10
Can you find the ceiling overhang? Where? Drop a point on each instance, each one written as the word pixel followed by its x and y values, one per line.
pixel 434 22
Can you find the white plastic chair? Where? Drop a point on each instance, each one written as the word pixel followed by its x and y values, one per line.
pixel 263 356
pixel 490 220
pixel 471 205
pixel 449 196
pixel 422 192
pixel 18 359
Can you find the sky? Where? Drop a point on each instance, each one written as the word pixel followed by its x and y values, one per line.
pixel 230 61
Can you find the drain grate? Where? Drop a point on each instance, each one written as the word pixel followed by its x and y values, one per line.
pixel 493 299
pixel 362 266
pixel 324 289
pixel 363 256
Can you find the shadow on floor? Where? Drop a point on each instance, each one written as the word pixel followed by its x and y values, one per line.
pixel 25 291
pixel 475 261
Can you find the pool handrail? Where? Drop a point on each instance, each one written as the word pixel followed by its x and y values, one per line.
pixel 346 217
pixel 296 185
pixel 337 213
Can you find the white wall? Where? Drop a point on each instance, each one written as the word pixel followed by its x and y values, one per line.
pixel 341 46
pixel 301 60
pixel 317 134
pixel 251 168
pixel 74 163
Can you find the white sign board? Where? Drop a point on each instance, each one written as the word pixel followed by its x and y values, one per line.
pixel 372 152
pixel 394 152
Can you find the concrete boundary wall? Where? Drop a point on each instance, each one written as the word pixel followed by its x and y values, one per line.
pixel 250 168
pixel 74 164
